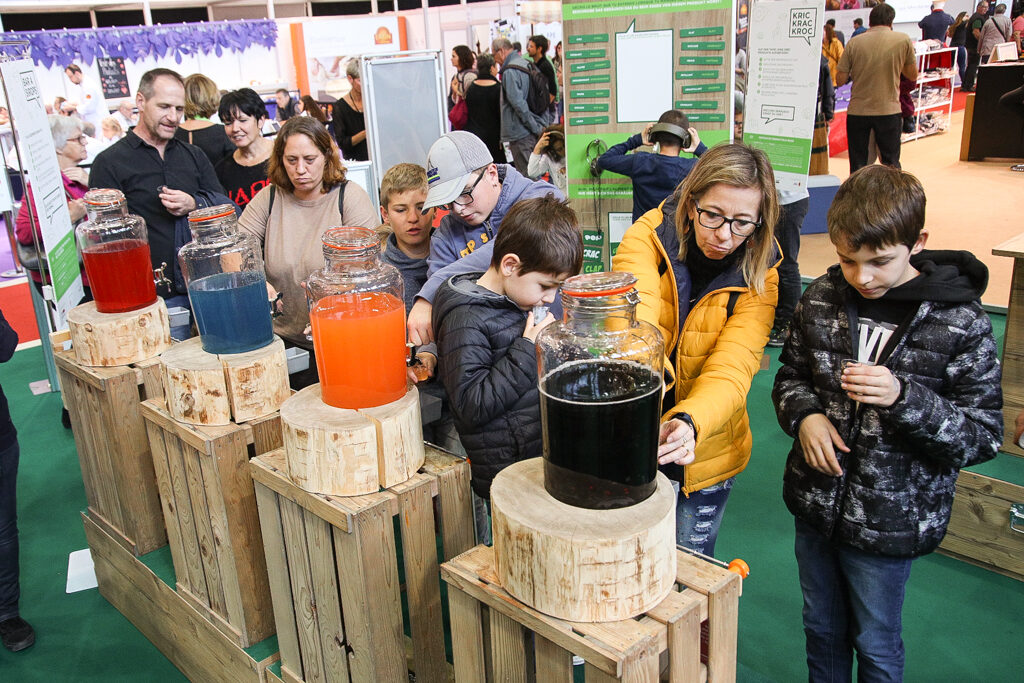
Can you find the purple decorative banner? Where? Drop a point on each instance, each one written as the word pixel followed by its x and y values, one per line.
pixel 138 42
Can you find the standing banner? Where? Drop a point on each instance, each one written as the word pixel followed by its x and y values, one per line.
pixel 626 63
pixel 784 60
pixel 39 158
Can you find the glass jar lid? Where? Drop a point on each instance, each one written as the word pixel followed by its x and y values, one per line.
pixel 347 239
pixel 103 197
pixel 211 213
pixel 592 285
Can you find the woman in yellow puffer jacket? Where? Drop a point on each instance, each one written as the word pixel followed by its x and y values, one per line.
pixel 706 262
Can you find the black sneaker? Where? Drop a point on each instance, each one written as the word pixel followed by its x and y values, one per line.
pixel 17 634
pixel 777 337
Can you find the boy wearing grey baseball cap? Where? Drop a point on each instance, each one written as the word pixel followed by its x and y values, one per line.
pixel 463 178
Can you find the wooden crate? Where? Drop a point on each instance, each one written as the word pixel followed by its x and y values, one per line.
pixel 209 507
pixel 333 565
pixel 979 526
pixel 184 635
pixel 690 636
pixel 113 451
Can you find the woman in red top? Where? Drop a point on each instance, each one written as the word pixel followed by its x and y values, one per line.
pixel 69 140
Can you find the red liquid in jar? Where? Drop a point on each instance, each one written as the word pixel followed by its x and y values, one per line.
pixel 121 275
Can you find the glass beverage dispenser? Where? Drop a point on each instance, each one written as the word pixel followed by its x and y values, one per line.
pixel 601 385
pixel 227 286
pixel 115 252
pixel 357 313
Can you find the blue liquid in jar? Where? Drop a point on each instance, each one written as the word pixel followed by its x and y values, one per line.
pixel 232 312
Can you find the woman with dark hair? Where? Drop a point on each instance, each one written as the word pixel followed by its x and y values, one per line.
pixel 312 108
pixel 349 123
pixel 243 173
pixel 201 101
pixel 307 194
pixel 483 102
pixel 706 263
pixel 831 49
pixel 463 60
pixel 548 156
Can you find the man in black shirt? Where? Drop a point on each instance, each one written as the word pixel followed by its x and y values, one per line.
pixel 537 49
pixel 974 25
pixel 158 174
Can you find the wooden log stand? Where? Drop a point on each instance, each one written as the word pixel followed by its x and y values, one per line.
pixel 980 528
pixel 212 523
pixel 209 389
pixel 113 451
pixel 343 452
pixel 689 636
pixel 110 339
pixel 333 567
pixel 579 564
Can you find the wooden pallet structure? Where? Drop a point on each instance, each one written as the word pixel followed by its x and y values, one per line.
pixel 690 636
pixel 333 566
pixel 113 451
pixel 209 507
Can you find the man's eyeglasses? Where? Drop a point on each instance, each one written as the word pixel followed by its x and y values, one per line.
pixel 81 139
pixel 737 226
pixel 466 197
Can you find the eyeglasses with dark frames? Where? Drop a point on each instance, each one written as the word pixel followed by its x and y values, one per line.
pixel 737 226
pixel 466 198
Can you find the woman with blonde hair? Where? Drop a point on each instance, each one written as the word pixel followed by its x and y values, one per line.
pixel 832 50
pixel 202 98
pixel 706 262
pixel 308 194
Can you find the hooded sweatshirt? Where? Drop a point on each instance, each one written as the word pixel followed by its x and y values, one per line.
pixel 458 247
pixel 896 491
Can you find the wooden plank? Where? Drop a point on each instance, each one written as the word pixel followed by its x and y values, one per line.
pixel 965 136
pixel 467 632
pixel 136 481
pixel 151 378
pixel 158 450
pixel 326 597
pixel 181 633
pixel 701 575
pixel 554 663
pixel 194 577
pixel 979 525
pixel 266 433
pixel 278 574
pixel 596 675
pixel 95 377
pixel 723 617
pixel 103 454
pixel 641 662
pixel 368 582
pixel 456 501
pixel 269 470
pixel 204 528
pixel 243 560
pixel 423 588
pixel 302 592
pixel 681 612
pixel 508 649
pixel 74 399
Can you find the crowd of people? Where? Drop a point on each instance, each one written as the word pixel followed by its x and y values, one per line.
pixel 890 376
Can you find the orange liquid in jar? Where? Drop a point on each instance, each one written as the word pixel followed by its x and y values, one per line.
pixel 360 349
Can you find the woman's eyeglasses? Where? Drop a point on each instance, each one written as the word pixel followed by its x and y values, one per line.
pixel 737 226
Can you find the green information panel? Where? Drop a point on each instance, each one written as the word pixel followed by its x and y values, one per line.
pixel 600 92
pixel 792 155
pixel 602 9
pixel 705 87
pixel 587 120
pixel 590 79
pixel 702 45
pixel 701 61
pixel 683 75
pixel 705 31
pixel 64 267
pixel 585 54
pixel 706 118
pixel 592 238
pixel 582 106
pixel 588 38
pixel 696 104
pixel 591 66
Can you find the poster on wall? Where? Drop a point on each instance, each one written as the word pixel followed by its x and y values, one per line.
pixel 113 77
pixel 324 48
pixel 783 58
pixel 49 203
pixel 626 62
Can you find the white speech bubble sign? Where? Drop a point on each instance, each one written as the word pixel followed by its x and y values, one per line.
pixel 803 21
pixel 777 112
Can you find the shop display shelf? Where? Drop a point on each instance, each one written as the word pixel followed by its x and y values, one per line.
pixel 333 564
pixel 209 508
pixel 690 636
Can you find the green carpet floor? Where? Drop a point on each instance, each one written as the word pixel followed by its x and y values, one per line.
pixel 961 622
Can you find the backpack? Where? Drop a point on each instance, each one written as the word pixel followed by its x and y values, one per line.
pixel 538 97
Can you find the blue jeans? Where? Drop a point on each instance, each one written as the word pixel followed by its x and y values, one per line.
pixel 961 62
pixel 853 600
pixel 9 587
pixel 787 232
pixel 699 517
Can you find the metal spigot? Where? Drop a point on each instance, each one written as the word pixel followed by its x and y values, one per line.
pixel 160 279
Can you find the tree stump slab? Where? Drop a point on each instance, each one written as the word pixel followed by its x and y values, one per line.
pixel 110 339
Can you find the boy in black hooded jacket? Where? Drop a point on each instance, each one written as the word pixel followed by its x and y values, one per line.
pixel 890 384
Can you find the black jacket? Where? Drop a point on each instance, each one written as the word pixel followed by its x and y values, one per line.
pixel 896 490
pixel 8 343
pixel 489 371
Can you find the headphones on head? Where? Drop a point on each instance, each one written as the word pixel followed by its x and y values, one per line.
pixel 671 129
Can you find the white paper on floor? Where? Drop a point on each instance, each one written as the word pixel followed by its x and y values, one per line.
pixel 81 574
